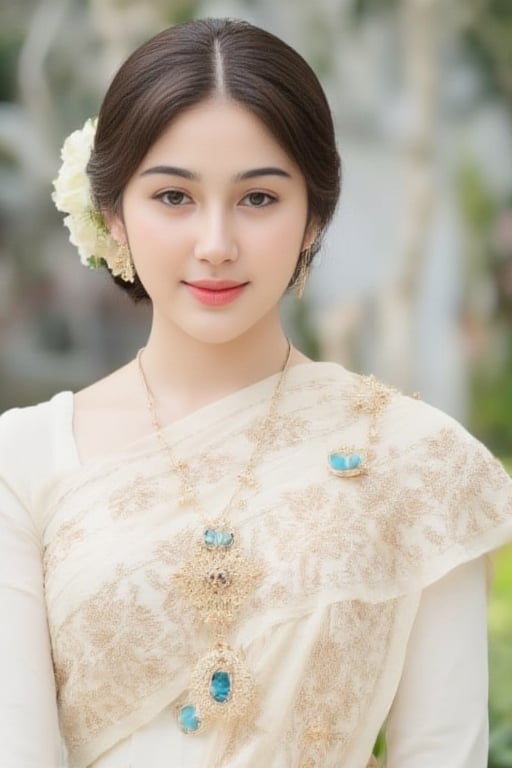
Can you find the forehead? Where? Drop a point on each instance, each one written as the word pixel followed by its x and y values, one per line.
pixel 218 132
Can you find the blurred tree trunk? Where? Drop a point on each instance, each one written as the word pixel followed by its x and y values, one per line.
pixel 122 25
pixel 396 350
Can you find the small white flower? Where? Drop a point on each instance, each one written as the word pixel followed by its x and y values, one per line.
pixel 72 195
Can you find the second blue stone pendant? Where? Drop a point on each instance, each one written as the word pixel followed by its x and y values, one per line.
pixel 347 462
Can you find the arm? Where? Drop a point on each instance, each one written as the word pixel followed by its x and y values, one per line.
pixel 439 715
pixel 29 730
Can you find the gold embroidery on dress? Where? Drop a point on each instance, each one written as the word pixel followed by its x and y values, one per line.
pixel 121 633
pixel 112 628
pixel 68 534
pixel 371 397
pixel 133 498
pixel 322 723
pixel 284 431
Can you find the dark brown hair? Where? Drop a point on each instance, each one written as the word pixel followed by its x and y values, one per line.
pixel 187 64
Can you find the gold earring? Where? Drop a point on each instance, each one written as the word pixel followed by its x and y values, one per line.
pixel 123 264
pixel 302 277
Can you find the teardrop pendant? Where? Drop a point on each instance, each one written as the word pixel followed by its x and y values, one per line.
pixel 222 689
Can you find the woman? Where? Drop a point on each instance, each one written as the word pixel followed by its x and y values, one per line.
pixel 225 554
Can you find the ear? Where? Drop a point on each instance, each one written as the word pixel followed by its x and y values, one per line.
pixel 115 226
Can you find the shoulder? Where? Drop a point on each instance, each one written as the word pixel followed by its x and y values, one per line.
pixel 345 396
pixel 403 417
pixel 423 430
pixel 407 428
pixel 432 497
pixel 32 439
pixel 22 425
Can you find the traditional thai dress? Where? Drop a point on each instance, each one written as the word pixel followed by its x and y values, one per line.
pixel 368 606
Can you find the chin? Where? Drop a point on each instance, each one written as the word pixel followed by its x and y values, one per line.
pixel 216 336
pixel 223 326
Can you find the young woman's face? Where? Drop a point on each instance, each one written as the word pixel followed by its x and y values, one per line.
pixel 215 218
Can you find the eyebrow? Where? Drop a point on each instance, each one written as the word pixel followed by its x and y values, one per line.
pixel 184 173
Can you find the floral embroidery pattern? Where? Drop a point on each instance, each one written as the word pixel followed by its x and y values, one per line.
pixel 69 533
pixel 340 552
pixel 132 499
pixel 322 724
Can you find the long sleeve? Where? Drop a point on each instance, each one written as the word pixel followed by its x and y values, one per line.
pixel 29 730
pixel 439 715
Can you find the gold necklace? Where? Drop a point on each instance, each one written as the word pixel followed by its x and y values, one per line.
pixel 217 579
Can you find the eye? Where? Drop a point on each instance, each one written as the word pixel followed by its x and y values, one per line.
pixel 259 199
pixel 173 198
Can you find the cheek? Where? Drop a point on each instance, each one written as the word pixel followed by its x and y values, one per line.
pixel 282 232
pixel 152 232
pixel 145 222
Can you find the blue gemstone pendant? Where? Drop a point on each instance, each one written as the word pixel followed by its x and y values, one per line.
pixel 188 719
pixel 222 689
pixel 218 539
pixel 220 686
pixel 347 462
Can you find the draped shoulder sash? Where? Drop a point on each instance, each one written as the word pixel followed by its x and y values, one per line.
pixel 342 560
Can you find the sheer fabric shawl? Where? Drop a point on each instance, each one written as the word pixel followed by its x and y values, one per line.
pixel 343 562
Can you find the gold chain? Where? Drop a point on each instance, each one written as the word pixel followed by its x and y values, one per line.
pixel 246 478
pixel 217 579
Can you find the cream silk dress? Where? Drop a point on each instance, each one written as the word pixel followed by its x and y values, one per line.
pixel 369 607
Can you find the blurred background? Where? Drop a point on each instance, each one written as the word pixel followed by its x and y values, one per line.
pixel 415 280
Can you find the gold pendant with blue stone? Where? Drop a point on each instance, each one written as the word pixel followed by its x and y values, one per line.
pixel 222 689
pixel 370 398
pixel 217 580
pixel 348 461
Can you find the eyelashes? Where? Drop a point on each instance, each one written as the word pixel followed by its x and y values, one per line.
pixel 175 198
pixel 260 199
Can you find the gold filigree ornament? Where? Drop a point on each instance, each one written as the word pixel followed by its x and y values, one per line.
pixel 123 265
pixel 222 688
pixel 371 398
pixel 217 580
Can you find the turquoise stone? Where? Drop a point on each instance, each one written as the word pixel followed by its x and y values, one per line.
pixel 342 462
pixel 218 539
pixel 189 719
pixel 225 539
pixel 220 686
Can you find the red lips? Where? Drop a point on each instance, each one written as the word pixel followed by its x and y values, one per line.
pixel 215 293
pixel 214 285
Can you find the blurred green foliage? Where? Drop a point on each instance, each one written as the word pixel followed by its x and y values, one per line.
pixel 500 658
pixel 476 201
pixel 9 50
pixel 491 418
pixel 489 41
pixel 500 662
pixel 491 373
pixel 362 7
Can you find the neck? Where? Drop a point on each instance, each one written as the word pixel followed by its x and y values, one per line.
pixel 189 372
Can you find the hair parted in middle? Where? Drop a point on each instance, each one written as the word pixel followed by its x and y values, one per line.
pixel 190 63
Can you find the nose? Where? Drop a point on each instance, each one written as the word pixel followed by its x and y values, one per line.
pixel 216 240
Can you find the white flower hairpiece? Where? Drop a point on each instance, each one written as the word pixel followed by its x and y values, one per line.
pixel 72 195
